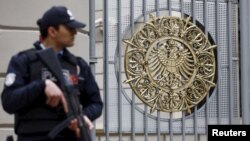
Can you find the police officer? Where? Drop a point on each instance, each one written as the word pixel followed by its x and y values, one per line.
pixel 31 91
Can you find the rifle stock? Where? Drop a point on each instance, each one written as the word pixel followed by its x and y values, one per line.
pixel 49 59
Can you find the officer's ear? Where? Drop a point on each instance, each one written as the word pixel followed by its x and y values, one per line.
pixel 52 31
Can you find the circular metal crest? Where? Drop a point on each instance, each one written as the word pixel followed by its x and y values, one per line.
pixel 170 64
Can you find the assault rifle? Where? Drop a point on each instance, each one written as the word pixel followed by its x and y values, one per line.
pixel 50 60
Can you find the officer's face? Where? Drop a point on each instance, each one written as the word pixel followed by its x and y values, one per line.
pixel 65 36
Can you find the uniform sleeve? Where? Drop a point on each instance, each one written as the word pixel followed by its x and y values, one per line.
pixel 90 95
pixel 18 92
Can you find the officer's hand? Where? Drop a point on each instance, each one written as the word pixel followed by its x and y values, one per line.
pixel 88 122
pixel 74 126
pixel 54 95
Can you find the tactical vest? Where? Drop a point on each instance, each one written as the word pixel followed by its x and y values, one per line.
pixel 39 117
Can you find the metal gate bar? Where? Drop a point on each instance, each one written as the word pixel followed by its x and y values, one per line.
pixel 132 23
pixel 171 113
pixel 145 106
pixel 158 112
pixel 195 108
pixel 119 29
pixel 170 7
pixel 181 7
pixel 206 33
pixel 230 57
pixel 218 61
pixel 183 120
pixel 157 8
pixel 92 49
pixel 106 68
pixel 244 50
pixel 158 126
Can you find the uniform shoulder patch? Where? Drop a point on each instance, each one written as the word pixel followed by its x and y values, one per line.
pixel 10 79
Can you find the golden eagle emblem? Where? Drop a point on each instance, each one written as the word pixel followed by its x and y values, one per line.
pixel 170 64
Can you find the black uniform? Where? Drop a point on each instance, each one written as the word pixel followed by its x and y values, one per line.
pixel 24 96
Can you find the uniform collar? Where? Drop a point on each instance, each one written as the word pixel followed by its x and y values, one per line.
pixel 39 46
pixel 66 54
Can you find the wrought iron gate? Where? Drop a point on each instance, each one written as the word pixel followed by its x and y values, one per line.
pixel 126 114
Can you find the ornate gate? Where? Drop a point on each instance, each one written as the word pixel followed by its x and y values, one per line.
pixel 170 68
